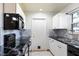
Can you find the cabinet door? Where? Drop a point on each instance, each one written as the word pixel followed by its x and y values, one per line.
pixel 61 21
pixel 60 48
pixel 68 19
pixel 55 22
pixel 63 49
pixel 52 46
pixel 65 21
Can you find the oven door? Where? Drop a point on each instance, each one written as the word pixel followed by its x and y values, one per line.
pixel 9 42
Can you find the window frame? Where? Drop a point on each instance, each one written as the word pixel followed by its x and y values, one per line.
pixel 73 22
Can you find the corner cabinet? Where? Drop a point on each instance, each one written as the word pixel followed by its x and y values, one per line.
pixel 61 21
pixel 57 48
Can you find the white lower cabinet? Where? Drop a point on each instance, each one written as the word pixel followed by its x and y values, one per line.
pixel 58 48
pixel 52 46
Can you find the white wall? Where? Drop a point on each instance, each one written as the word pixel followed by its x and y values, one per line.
pixel 9 7
pixel 31 15
pixel 1 24
pixel 1 7
pixel 70 7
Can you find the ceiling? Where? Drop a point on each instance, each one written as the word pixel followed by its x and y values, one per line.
pixel 47 7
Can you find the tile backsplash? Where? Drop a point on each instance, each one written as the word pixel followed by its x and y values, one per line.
pixel 69 35
pixel 75 36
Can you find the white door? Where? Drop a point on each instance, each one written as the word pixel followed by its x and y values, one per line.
pixel 39 34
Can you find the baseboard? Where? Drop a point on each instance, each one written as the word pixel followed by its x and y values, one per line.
pixel 39 50
pixel 35 50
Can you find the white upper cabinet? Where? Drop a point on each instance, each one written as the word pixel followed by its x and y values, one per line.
pixel 61 21
pixel 55 22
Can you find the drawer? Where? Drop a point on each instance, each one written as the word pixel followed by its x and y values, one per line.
pixel 60 44
pixel 60 48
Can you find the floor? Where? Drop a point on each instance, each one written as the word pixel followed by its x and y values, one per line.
pixel 40 53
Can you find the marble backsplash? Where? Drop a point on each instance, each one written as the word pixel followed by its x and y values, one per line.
pixel 68 34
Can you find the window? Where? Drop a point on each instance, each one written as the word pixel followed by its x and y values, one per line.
pixel 75 21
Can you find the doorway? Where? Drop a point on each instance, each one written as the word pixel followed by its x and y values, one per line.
pixel 39 34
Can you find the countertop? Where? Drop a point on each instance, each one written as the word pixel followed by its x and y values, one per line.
pixel 71 42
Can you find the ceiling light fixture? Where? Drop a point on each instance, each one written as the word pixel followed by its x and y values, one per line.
pixel 41 9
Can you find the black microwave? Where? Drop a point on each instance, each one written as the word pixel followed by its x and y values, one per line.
pixel 13 21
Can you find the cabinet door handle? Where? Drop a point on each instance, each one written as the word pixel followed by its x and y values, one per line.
pixel 58 46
